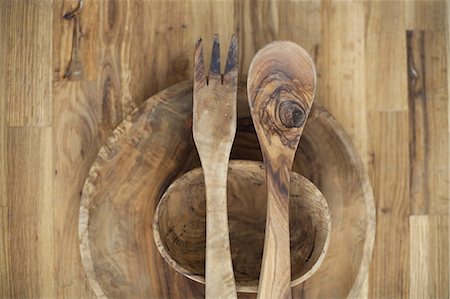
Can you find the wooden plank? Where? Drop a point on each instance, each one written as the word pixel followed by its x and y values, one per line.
pixel 27 47
pixel 26 257
pixel 300 22
pixel 436 57
pixel 62 38
pixel 115 72
pixel 75 40
pixel 425 15
pixel 257 23
pixel 161 36
pixel 341 61
pixel 389 173
pixel 5 261
pixel 428 118
pixel 77 110
pixel 5 266
pixel 429 256
pixel 386 56
pixel 30 236
pixel 448 83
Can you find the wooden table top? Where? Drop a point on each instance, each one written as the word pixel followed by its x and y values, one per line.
pixel 69 76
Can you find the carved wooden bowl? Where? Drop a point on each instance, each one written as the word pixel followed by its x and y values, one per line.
pixel 154 146
pixel 179 225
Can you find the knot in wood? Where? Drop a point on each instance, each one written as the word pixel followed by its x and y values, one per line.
pixel 291 114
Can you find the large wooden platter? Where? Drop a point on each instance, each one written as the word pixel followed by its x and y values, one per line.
pixel 153 146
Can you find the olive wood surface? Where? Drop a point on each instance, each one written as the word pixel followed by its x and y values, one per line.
pixel 281 85
pixel 154 145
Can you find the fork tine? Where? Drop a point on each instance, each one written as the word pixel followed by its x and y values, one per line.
pixel 214 69
pixel 199 66
pixel 230 75
pixel 232 58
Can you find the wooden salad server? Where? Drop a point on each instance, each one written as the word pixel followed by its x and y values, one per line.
pixel 281 85
pixel 214 129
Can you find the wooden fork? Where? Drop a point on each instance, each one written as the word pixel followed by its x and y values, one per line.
pixel 214 128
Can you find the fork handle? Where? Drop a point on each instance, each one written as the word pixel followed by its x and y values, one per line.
pixel 275 278
pixel 219 276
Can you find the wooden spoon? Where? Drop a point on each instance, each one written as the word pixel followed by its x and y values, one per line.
pixel 281 85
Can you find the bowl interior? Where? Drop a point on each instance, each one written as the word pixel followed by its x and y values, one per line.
pixel 180 224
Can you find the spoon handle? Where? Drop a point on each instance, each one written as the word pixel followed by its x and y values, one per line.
pixel 275 278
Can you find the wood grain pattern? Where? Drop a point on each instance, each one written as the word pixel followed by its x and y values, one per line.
pixel 386 34
pixel 345 91
pixel 173 26
pixel 179 224
pixel 27 252
pixel 112 218
pixel 161 37
pixel 214 128
pixel 281 85
pixel 30 220
pixel 389 172
pixel 162 42
pixel 75 40
pixel 426 15
pixel 5 263
pixel 75 145
pixel 428 248
pixel 115 70
pixel 307 29
pixel 28 47
pixel 428 105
